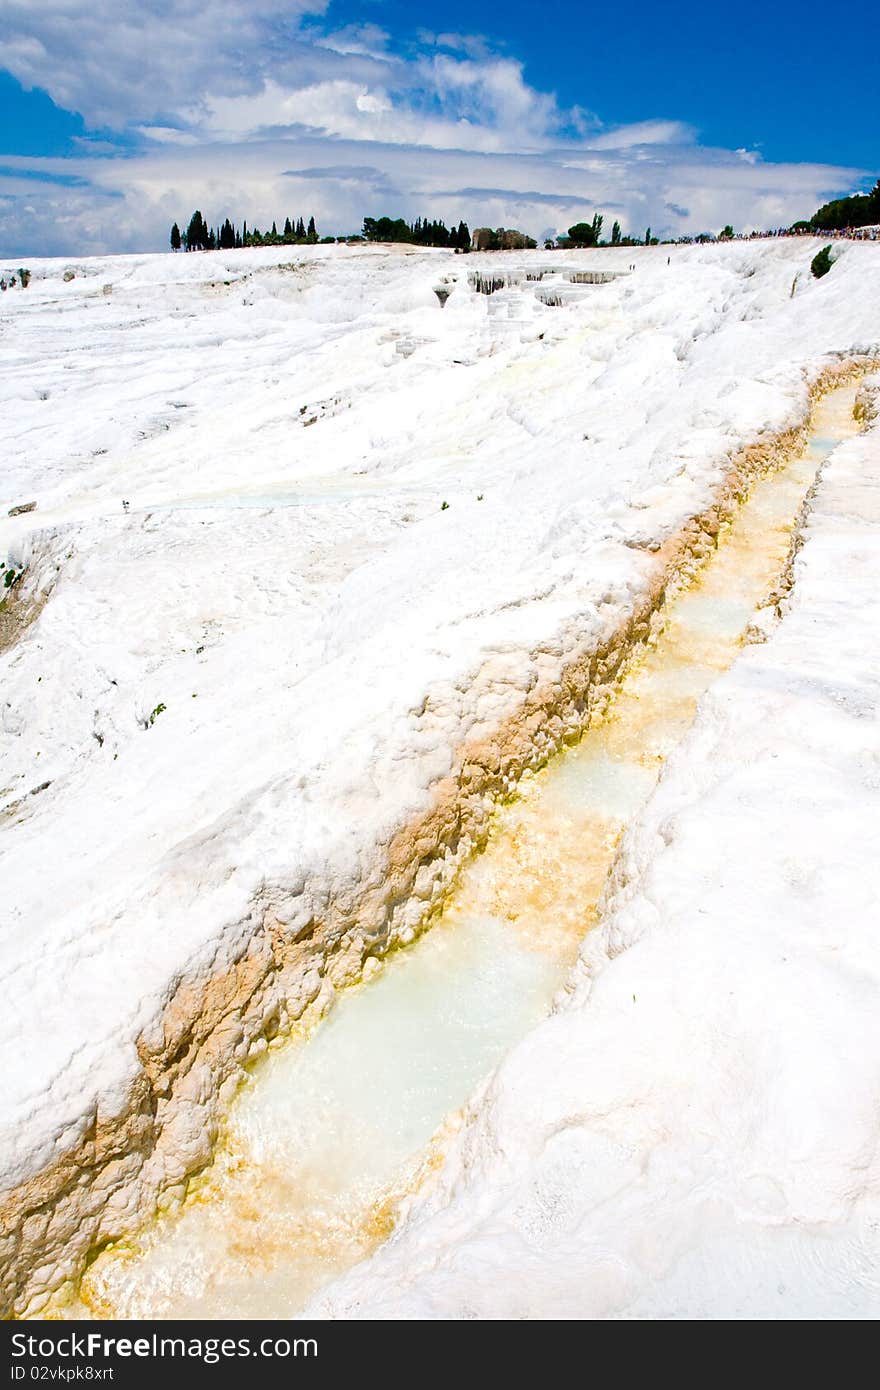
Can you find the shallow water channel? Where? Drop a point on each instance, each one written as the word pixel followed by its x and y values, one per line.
pixel 333 1127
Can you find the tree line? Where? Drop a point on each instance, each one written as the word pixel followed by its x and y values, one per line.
pixel 422 232
pixel 590 234
pixel 295 232
pixel 226 237
pixel 860 210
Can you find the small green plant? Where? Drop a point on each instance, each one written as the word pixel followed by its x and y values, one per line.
pixel 10 577
pixel 479 496
pixel 444 506
pixel 821 262
pixel 154 715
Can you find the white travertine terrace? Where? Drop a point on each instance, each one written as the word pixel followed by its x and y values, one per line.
pixel 350 673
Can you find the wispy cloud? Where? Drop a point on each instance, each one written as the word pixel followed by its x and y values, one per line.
pixel 365 39
pixel 516 197
pixel 643 133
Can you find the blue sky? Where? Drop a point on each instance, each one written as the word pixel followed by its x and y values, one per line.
pixel 117 117
pixel 750 74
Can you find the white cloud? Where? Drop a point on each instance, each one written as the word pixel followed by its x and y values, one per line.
pixel 441 104
pixel 167 135
pixel 119 63
pixel 644 133
pixel 128 203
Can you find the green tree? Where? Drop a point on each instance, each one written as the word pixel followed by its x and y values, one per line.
pixel 821 262
pixel 312 233
pixel 175 237
pixel 648 237
pixel 583 233
pixel 615 234
pixel 386 229
pixel 196 233
pixel 861 210
pixel 726 233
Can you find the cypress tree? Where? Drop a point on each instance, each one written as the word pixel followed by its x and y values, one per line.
pixel 313 231
pixel 175 238
pixel 196 233
pixel 300 230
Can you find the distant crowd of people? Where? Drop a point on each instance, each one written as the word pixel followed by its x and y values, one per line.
pixel 833 234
